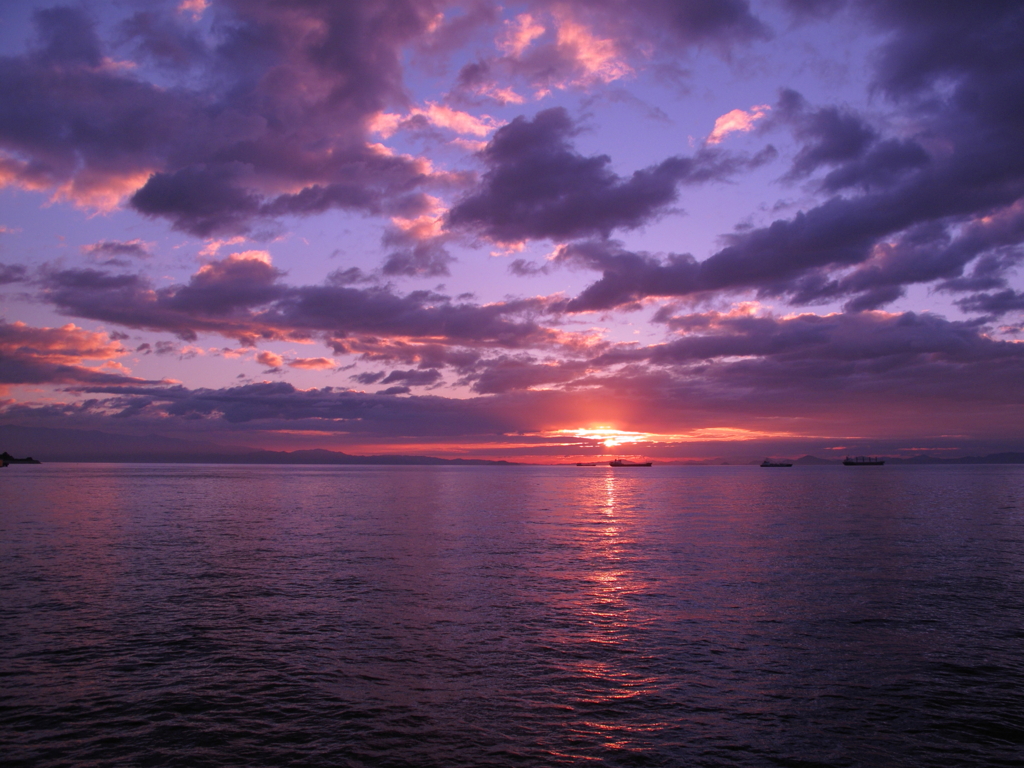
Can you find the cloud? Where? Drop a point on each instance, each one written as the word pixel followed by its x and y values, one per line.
pixel 114 249
pixel 554 48
pixel 31 355
pixel 905 338
pixel 525 268
pixel 918 218
pixel 590 43
pixel 508 373
pixel 518 34
pixel 674 23
pixel 994 304
pixel 194 8
pixel 860 374
pixel 736 120
pixel 597 59
pixel 272 360
pixel 413 378
pixel 12 273
pixel 243 297
pixel 914 208
pixel 829 135
pixel 418 242
pixel 313 363
pixel 460 122
pixel 536 186
pixel 266 118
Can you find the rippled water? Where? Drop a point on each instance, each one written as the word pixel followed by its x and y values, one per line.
pixel 511 616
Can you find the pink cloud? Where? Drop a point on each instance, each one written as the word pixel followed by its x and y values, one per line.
pixel 312 363
pixel 519 34
pixel 737 120
pixel 269 359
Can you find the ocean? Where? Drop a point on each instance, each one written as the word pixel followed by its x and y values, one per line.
pixel 184 615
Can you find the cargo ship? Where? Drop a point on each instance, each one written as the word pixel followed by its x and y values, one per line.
pixel 770 463
pixel 624 463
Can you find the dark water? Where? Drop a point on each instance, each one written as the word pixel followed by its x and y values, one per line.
pixel 531 616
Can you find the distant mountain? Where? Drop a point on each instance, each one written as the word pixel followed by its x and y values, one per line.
pixel 90 445
pixel 992 458
pixel 321 456
pixel 59 445
pixel 810 461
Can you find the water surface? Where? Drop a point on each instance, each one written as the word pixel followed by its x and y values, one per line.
pixel 511 616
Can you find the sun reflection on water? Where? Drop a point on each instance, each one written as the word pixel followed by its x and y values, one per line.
pixel 609 667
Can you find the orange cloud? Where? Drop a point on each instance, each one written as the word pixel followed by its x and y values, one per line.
pixel 312 363
pixel 598 59
pixel 387 123
pixel 737 121
pixel 518 34
pixel 68 344
pixel 269 359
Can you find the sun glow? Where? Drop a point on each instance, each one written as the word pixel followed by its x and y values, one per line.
pixel 611 437
pixel 608 436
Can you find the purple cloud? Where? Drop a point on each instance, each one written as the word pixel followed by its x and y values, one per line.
pixel 242 141
pixel 12 273
pixel 242 297
pixel 536 186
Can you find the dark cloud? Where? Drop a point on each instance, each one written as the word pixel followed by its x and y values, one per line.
pixel 807 9
pixel 413 378
pixel 269 119
pixel 915 209
pixel 202 200
pixel 536 186
pixel 243 297
pixel 994 304
pixel 507 373
pixel 867 371
pixel 369 378
pixel 114 249
pixel 829 135
pixel 879 167
pixel 414 255
pixel 525 268
pixel 66 36
pixel 166 40
pixel 12 273
pixel 949 40
pixel 901 339
pixel 862 373
pixel 799 256
pixel 673 22
pixel 280 402
pixel 918 220
pixel 627 276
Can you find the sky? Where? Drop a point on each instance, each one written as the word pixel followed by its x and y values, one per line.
pixel 535 231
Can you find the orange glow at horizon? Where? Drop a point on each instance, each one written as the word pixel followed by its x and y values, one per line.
pixel 608 436
pixel 611 437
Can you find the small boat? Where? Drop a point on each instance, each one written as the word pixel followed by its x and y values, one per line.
pixel 770 463
pixel 624 463
pixel 586 463
pixel 863 461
